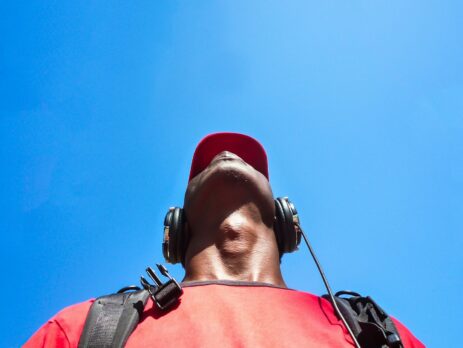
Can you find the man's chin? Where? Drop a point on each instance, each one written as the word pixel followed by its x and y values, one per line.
pixel 230 181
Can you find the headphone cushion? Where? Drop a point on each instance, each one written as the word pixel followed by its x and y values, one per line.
pixel 279 226
pixel 177 228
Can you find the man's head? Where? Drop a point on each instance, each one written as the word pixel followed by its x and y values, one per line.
pixel 229 171
pixel 230 226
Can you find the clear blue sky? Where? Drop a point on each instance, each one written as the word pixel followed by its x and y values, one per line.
pixel 359 105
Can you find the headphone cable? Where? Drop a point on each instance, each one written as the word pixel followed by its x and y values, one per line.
pixel 328 288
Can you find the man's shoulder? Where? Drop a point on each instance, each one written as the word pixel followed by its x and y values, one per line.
pixel 63 329
pixel 73 312
pixel 408 339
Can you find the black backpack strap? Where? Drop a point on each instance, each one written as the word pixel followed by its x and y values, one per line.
pixel 112 318
pixel 370 324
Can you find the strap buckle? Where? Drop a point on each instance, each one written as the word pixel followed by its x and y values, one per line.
pixel 165 294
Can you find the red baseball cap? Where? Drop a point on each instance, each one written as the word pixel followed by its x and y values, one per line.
pixel 249 149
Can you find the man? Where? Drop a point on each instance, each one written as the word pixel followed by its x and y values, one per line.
pixel 234 292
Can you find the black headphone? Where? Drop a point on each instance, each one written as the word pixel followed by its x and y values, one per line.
pixel 286 227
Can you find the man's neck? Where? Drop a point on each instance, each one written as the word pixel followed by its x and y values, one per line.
pixel 237 249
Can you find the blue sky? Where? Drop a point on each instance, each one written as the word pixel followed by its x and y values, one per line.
pixel 359 105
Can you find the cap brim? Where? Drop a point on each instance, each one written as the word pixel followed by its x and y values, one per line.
pixel 246 147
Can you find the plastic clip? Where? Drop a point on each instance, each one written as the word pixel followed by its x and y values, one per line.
pixel 165 294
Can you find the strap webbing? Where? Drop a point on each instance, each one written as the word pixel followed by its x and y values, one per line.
pixel 370 324
pixel 112 318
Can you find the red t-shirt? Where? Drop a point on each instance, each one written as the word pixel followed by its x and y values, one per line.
pixel 222 314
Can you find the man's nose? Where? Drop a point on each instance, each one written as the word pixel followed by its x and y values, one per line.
pixel 226 154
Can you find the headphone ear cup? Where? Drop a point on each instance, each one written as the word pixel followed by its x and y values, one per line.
pixel 173 246
pixel 288 236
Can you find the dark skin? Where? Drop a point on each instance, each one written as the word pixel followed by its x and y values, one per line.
pixel 230 213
